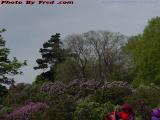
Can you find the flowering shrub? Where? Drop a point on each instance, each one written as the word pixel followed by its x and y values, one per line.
pixel 88 87
pixel 116 84
pixel 55 88
pixel 25 112
pixel 89 84
pixel 60 108
pixel 80 88
pixel 73 87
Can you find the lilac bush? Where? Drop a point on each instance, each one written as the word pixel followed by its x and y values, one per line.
pixel 89 84
pixel 55 88
pixel 46 86
pixel 116 84
pixel 78 87
pixel 25 112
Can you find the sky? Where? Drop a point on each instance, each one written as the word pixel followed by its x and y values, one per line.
pixel 28 26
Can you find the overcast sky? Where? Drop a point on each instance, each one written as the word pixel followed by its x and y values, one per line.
pixel 29 26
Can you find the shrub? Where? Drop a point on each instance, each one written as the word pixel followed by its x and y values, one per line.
pixel 4 110
pixel 115 95
pixel 25 112
pixel 40 79
pixel 86 110
pixel 17 94
pixel 145 98
pixel 56 88
pixel 61 108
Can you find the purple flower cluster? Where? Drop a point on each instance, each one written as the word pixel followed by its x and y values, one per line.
pixel 116 84
pixel 83 84
pixel 55 88
pixel 26 111
pixel 93 84
pixel 156 112
pixel 78 86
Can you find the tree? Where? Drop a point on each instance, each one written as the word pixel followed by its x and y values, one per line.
pixel 144 50
pixel 80 51
pixel 52 54
pixel 3 92
pixel 106 47
pixel 67 71
pixel 8 67
pixel 98 54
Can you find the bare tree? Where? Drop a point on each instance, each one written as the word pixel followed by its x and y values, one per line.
pixel 103 48
pixel 107 48
pixel 80 51
pixel 94 39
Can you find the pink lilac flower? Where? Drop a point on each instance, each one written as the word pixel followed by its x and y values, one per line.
pixel 25 112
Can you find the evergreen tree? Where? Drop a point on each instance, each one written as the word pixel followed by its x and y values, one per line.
pixel 52 54
pixel 7 67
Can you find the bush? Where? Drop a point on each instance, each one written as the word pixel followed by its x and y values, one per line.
pixel 4 110
pixel 20 93
pixel 86 110
pixel 25 112
pixel 115 95
pixel 144 99
pixel 52 89
pixel 40 79
pixel 60 108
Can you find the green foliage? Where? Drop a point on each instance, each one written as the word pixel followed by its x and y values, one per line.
pixel 98 54
pixel 52 54
pixel 67 71
pixel 8 67
pixel 3 92
pixel 40 79
pixel 86 110
pixel 60 108
pixel 144 99
pixel 149 94
pixel 144 53
pixel 115 95
pixel 21 93
pixel 5 110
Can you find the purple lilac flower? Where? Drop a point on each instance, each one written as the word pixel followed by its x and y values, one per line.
pixel 25 112
pixel 55 88
pixel 77 86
